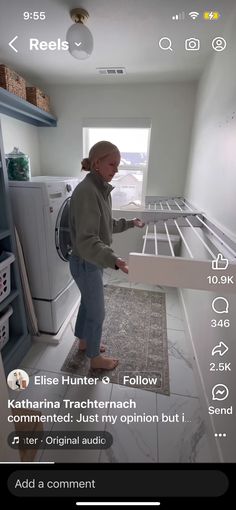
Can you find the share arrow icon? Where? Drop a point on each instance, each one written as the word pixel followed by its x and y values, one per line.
pixel 220 349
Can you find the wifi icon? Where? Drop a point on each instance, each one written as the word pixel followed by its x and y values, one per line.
pixel 193 14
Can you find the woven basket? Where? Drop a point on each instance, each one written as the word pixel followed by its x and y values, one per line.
pixel 12 82
pixel 38 98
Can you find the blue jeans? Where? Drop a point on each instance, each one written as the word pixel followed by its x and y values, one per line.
pixel 88 278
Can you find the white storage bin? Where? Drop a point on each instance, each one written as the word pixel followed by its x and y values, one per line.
pixel 4 327
pixel 5 275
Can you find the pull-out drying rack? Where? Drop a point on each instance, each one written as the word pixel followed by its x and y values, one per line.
pixel 192 242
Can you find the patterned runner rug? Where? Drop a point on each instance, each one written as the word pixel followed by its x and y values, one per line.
pixel 134 331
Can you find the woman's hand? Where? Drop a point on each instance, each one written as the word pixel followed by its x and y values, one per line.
pixel 121 264
pixel 138 223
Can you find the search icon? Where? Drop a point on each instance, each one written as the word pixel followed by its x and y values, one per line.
pixel 165 43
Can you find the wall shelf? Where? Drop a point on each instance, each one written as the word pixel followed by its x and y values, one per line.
pixel 14 106
pixel 189 265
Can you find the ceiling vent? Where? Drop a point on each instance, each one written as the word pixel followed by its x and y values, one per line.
pixel 112 71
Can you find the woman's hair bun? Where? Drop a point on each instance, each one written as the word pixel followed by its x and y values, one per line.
pixel 85 164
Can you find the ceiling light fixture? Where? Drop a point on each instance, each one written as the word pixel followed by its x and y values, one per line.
pixel 79 37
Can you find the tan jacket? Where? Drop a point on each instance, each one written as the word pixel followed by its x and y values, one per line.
pixel 91 223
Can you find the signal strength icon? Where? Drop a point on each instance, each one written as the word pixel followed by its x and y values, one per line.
pixel 193 14
pixel 179 17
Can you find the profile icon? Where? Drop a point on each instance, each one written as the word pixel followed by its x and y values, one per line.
pixel 219 44
pixel 18 379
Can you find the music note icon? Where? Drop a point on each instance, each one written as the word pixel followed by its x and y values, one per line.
pixel 15 440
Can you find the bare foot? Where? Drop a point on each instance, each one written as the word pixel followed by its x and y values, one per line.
pixel 83 345
pixel 104 363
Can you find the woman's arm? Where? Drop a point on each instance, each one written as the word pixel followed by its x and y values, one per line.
pixel 122 224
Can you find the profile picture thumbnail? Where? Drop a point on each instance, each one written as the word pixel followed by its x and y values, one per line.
pixel 18 379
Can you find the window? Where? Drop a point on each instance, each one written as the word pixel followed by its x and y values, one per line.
pixel 133 143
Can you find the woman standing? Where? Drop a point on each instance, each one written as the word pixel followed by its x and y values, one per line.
pixel 91 226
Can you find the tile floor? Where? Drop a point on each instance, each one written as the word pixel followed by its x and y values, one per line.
pixel 136 442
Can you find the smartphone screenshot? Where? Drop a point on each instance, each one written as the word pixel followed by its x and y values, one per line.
pixel 117 252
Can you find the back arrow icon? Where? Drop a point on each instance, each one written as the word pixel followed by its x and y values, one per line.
pixel 11 46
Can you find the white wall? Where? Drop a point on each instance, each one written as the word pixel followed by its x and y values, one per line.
pixel 204 338
pixel 170 107
pixel 24 136
pixel 211 185
pixel 211 182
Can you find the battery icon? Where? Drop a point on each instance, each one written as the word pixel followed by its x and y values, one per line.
pixel 211 15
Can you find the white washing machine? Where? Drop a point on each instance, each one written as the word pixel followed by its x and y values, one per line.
pixel 40 211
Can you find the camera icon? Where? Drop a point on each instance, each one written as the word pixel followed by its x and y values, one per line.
pixel 192 44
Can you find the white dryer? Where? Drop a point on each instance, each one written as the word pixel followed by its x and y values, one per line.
pixel 40 211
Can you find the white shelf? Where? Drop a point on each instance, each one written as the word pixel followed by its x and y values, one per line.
pixel 168 219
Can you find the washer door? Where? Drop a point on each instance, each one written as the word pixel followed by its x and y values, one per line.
pixel 62 232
